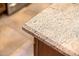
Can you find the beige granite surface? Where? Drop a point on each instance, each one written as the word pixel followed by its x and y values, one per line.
pixel 59 26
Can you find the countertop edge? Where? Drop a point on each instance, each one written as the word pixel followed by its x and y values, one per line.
pixel 55 46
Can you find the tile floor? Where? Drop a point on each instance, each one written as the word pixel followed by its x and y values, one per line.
pixel 13 40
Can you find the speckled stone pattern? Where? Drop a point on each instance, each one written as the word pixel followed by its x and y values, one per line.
pixel 59 26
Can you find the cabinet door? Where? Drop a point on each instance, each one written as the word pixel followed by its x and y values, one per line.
pixel 41 49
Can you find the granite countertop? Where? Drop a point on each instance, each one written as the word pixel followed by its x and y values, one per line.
pixel 58 25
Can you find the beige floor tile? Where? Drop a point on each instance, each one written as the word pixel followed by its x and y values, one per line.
pixel 12 37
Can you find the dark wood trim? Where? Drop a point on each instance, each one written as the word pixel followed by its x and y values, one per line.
pixel 41 49
pixel 35 47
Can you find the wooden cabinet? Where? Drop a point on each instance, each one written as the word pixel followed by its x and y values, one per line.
pixel 2 7
pixel 41 49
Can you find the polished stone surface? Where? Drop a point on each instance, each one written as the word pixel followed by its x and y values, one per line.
pixel 58 25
